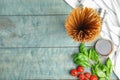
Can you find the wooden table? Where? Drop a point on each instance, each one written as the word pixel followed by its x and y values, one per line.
pixel 33 41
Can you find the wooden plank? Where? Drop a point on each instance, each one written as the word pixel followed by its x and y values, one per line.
pixel 37 63
pixel 35 31
pixel 33 7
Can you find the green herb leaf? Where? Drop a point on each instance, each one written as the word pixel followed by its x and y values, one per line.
pixel 103 68
pixel 90 53
pixel 108 67
pixel 85 58
pixel 109 63
pixel 97 70
pixel 103 78
pixel 83 49
pixel 80 56
pixel 100 73
pixel 82 63
pixel 93 54
pixel 93 70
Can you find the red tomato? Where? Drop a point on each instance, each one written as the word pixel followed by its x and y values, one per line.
pixel 85 79
pixel 80 69
pixel 87 74
pixel 81 76
pixel 74 72
pixel 93 77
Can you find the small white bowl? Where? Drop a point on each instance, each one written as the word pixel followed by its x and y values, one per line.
pixel 104 47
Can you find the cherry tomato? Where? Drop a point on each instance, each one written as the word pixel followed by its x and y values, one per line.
pixel 80 69
pixel 85 79
pixel 74 72
pixel 93 77
pixel 87 74
pixel 81 76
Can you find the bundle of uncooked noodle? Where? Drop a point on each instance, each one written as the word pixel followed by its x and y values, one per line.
pixel 83 24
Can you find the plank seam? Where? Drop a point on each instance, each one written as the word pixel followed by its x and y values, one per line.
pixel 42 47
pixel 38 15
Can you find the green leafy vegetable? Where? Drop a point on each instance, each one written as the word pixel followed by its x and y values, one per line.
pixel 108 67
pixel 83 49
pixel 81 59
pixel 100 73
pixel 80 56
pixel 103 78
pixel 93 70
pixel 82 63
pixel 90 58
pixel 108 63
pixel 93 54
pixel 102 70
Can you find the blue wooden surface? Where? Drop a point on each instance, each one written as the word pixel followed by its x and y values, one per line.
pixel 33 7
pixel 34 31
pixel 33 41
pixel 36 63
